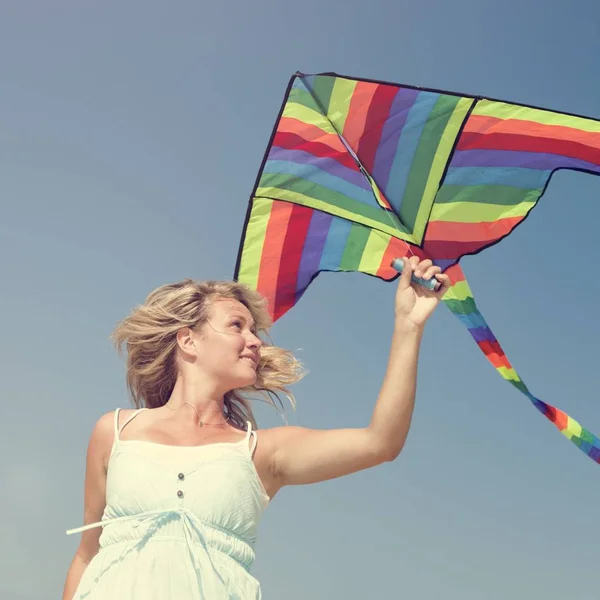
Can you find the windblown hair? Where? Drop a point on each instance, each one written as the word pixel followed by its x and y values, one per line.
pixel 148 336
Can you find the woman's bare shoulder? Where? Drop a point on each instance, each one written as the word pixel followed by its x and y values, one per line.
pixel 103 433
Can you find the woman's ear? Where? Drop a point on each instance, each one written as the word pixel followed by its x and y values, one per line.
pixel 186 343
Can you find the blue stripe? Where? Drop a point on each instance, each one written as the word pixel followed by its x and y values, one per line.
pixel 335 245
pixel 390 135
pixel 527 179
pixel 313 174
pixel 407 146
pixel 329 165
pixel 472 320
pixel 312 252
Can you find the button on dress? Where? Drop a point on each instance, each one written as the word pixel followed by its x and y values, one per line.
pixel 180 522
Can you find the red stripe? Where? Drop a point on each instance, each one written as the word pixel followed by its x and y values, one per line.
pixel 271 254
pixel 452 250
pixel 377 115
pixel 294 141
pixel 309 132
pixel 527 143
pixel 394 250
pixel 483 124
pixel 482 232
pixel 455 273
pixel 354 125
pixel 293 245
pixel 550 412
pixel 451 240
pixel 494 354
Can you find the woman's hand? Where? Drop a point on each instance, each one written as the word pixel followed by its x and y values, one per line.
pixel 414 303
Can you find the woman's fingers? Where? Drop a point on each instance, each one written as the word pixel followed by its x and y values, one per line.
pixel 420 266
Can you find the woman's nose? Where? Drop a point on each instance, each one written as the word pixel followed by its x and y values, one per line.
pixel 255 342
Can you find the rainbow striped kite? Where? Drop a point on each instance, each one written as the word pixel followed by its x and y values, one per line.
pixel 359 172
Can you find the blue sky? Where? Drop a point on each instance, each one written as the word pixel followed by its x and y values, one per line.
pixel 130 136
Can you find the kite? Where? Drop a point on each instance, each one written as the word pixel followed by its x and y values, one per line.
pixel 359 172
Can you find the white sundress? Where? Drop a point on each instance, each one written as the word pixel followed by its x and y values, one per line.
pixel 180 522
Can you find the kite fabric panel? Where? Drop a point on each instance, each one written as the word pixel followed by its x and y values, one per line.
pixel 359 172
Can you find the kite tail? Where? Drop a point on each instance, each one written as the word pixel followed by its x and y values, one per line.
pixel 459 299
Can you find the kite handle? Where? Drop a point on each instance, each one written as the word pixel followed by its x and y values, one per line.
pixel 432 284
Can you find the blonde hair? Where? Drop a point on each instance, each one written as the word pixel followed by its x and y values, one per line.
pixel 149 337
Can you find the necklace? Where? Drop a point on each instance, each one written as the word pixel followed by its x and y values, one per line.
pixel 202 423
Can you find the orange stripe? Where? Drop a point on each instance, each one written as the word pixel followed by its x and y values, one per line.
pixel 494 354
pixel 481 124
pixel 311 133
pixel 561 419
pixel 357 113
pixel 396 249
pixel 385 271
pixel 273 251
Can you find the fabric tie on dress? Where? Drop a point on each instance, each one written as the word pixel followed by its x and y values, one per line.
pixel 191 525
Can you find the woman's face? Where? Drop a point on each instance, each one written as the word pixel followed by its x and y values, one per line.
pixel 227 347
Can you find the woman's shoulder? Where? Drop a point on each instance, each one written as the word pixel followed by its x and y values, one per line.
pixel 104 433
pixel 105 427
pixel 107 421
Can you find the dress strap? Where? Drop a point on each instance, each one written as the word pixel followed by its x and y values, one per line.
pixel 250 437
pixel 117 411
pixel 132 416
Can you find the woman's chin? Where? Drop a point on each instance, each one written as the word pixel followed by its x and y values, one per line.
pixel 244 381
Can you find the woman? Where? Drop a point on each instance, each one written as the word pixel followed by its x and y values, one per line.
pixel 174 490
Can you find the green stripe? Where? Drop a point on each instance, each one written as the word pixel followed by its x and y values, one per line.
pixel 357 240
pixel 254 239
pixel 304 98
pixel 505 195
pixel 321 90
pixel 308 115
pixel 374 250
pixel 424 157
pixel 518 383
pixel 282 182
pixel 477 212
pixel 459 291
pixel 586 436
pixel 462 307
pixel 440 160
pixel 339 102
pixel 344 212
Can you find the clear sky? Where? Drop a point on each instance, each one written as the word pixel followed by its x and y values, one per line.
pixel 130 136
